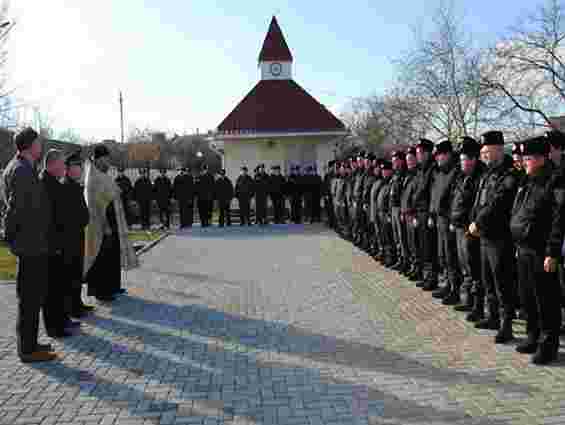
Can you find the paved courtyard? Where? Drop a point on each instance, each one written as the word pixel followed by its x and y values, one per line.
pixel 280 325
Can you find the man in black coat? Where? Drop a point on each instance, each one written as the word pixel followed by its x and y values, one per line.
pixel 184 191
pixel 77 220
pixel 224 195
pixel 468 248
pixel 448 170
pixel 162 193
pixel 294 190
pixel 244 192
pixel 537 225
pixel 205 196
pixel 261 186
pixel 277 184
pixel 327 195
pixel 55 317
pixel 491 222
pixel 27 221
pixel 396 186
pixel 143 194
pixel 427 236
pixel 126 187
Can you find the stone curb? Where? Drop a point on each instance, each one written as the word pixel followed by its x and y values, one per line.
pixel 152 244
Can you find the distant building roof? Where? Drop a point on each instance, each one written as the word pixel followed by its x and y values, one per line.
pixel 279 106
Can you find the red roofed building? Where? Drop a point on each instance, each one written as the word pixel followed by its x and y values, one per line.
pixel 278 122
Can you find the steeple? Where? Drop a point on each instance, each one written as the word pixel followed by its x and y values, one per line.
pixel 274 47
pixel 275 58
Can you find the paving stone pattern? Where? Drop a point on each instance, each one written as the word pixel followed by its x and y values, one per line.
pixel 285 324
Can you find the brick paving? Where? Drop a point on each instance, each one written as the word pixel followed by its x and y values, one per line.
pixel 279 325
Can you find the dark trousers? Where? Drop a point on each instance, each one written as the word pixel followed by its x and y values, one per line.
pixel 165 213
pixel 58 290
pixel 469 255
pixel 31 290
pixel 278 208
pixel 105 276
pixel 186 212
pixel 225 215
pixel 412 242
pixel 145 213
pixel 73 273
pixel 387 237
pixel 329 208
pixel 540 293
pixel 244 210
pixel 296 209
pixel 497 264
pixel 316 208
pixel 204 210
pixel 127 211
pixel 261 209
pixel 427 247
pixel 447 244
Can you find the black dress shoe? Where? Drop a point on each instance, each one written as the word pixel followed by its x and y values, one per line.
pixel 46 348
pixel 547 351
pixel 59 334
pixel 442 292
pixel 505 334
pixel 452 299
pixel 430 285
pixel 492 324
pixel 529 346
pixel 475 316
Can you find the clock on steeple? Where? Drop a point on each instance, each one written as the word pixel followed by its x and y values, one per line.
pixel 275 58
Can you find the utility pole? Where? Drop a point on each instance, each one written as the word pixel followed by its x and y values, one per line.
pixel 122 116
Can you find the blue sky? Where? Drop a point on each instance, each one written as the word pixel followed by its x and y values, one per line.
pixel 185 64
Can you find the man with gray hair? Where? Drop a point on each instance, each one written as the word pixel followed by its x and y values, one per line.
pixel 27 219
pixel 57 322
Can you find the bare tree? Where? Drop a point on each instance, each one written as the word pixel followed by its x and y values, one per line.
pixel 440 75
pixel 527 69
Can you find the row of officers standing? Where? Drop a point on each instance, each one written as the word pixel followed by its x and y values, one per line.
pixel 200 189
pixel 480 229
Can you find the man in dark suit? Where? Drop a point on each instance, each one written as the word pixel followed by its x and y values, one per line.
pixel 126 187
pixel 277 184
pixel 163 190
pixel 244 192
pixel 224 195
pixel 77 219
pixel 205 196
pixel 27 219
pixel 143 193
pixel 184 191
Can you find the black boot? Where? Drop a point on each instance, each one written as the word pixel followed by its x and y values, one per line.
pixel 504 334
pixel 441 292
pixel 467 305
pixel 453 298
pixel 547 351
pixel 430 284
pixel 492 323
pixel 478 312
pixel 530 345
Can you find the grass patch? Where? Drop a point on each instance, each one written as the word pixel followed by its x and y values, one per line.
pixel 7 263
pixel 143 236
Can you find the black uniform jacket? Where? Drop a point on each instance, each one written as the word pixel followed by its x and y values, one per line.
pixel 464 194
pixel 538 213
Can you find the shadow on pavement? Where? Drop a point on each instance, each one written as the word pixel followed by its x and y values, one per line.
pixel 135 316
pixel 237 232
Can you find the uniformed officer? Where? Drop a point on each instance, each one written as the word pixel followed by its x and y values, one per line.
pixel 328 193
pixel 517 157
pixel 396 186
pixel 184 191
pixel 244 192
pixel 224 194
pixel 385 219
pixel 294 191
pixel 375 247
pixel 277 184
pixel 537 226
pixel 124 183
pixel 440 210
pixel 143 194
pixel 408 215
pixel 261 187
pixel 163 191
pixel 427 236
pixel 205 190
pixel 468 248
pixel 491 222
pixel 367 234
pixel 316 188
